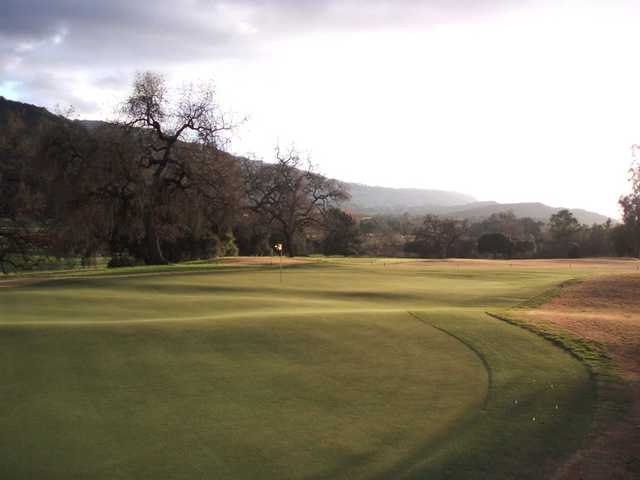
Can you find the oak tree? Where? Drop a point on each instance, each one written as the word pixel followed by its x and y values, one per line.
pixel 182 136
pixel 290 194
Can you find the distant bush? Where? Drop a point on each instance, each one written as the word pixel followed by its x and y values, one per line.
pixel 208 247
pixel 34 262
pixel 89 262
pixel 228 247
pixel 70 262
pixel 573 250
pixel 495 243
pixel 118 261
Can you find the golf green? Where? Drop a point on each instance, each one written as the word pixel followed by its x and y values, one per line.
pixel 343 370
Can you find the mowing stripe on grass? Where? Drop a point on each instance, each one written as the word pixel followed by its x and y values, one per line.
pixel 201 372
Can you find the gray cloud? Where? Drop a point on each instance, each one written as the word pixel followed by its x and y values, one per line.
pixel 44 44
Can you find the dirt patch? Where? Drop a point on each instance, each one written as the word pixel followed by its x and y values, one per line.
pixel 605 310
pixel 604 265
pixel 19 282
pixel 266 260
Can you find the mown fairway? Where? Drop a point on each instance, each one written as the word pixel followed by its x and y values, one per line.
pixel 348 369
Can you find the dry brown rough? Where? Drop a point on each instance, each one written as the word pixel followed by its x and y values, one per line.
pixel 605 310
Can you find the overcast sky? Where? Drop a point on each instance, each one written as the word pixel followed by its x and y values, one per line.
pixel 511 101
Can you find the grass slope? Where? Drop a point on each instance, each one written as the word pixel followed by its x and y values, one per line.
pixel 199 372
pixel 538 410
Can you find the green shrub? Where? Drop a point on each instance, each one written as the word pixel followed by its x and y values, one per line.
pixel 228 247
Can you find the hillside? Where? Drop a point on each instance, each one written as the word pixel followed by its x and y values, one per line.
pixel 24 116
pixel 375 199
pixel 537 211
pixel 372 200
pixel 365 199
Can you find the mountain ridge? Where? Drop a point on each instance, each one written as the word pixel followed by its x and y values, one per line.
pixel 395 201
pixel 365 199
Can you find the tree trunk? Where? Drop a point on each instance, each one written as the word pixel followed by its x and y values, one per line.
pixel 153 252
pixel 288 243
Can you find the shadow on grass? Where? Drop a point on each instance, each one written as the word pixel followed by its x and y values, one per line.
pixel 523 439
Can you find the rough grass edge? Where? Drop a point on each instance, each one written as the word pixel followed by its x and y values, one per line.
pixel 546 296
pixel 613 395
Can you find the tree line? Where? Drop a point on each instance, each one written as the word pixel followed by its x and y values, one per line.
pixel 157 186
pixel 501 235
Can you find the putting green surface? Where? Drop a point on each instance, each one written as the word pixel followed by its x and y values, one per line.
pixel 343 370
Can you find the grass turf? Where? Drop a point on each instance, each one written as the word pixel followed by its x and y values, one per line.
pixel 224 372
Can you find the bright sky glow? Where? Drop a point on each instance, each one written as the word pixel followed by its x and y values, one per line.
pixel 535 103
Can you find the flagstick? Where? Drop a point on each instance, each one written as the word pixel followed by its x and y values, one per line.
pixel 279 247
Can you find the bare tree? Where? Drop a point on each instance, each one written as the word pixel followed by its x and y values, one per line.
pixel 630 205
pixel 193 117
pixel 96 187
pixel 290 194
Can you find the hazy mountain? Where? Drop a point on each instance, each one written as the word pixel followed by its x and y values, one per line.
pixel 371 200
pixel 365 199
pixel 368 199
pixel 538 211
